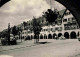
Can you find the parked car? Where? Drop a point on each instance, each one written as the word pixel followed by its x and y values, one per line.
pixel 62 37
pixel 56 37
pixel 12 40
pixel 11 37
pixel 4 41
pixel 28 38
pixel 79 38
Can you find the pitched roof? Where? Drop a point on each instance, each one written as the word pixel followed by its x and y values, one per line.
pixel 62 12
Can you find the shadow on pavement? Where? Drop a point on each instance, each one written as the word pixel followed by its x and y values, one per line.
pixel 44 42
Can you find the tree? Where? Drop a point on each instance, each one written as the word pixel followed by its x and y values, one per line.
pixel 36 29
pixel 9 33
pixel 6 34
pixel 20 33
pixel 15 30
pixel 50 15
pixel 2 2
pixel 25 24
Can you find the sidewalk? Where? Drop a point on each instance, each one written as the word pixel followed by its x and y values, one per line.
pixel 30 43
pixel 20 44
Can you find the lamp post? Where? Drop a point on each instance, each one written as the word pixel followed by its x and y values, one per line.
pixel 21 34
pixel 8 33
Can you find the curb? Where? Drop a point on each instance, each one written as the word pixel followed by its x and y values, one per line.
pixel 20 47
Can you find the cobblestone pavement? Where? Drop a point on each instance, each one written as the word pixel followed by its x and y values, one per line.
pixel 53 48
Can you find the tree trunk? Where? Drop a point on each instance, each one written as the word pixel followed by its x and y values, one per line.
pixel 21 38
pixel 38 38
pixel 35 39
pixel 9 39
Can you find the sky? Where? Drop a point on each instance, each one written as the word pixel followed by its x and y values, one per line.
pixel 17 11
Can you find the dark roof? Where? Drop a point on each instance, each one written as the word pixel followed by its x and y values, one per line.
pixel 62 11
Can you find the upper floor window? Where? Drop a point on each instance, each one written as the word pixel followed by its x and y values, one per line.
pixel 23 33
pixel 69 19
pixel 65 20
pixel 60 29
pixel 51 29
pixel 46 29
pixel 73 18
pixel 69 12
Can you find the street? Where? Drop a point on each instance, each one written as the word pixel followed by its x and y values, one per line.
pixel 53 48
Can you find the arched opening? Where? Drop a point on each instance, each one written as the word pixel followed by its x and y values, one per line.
pixel 35 36
pixel 41 36
pixel 78 34
pixel 23 37
pixel 49 36
pixel 31 37
pixel 27 38
pixel 73 35
pixel 45 36
pixel 66 35
pixel 60 34
pixel 54 35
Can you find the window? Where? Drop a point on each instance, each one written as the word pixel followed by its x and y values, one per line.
pixel 69 13
pixel 77 27
pixel 65 20
pixel 23 37
pixel 73 18
pixel 56 28
pixel 65 25
pixel 60 29
pixel 23 33
pixel 51 29
pixel 69 19
pixel 46 29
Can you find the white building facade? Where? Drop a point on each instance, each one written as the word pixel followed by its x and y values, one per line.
pixel 67 27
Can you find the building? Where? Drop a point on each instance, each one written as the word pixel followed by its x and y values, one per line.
pixel 66 26
pixel 70 26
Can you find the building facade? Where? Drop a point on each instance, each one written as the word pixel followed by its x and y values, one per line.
pixel 66 26
pixel 70 26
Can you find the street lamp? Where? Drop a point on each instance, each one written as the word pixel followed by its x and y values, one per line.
pixel 8 33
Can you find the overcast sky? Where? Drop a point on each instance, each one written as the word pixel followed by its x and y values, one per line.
pixel 17 11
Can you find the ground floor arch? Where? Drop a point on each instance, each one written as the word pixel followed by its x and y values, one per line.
pixel 59 34
pixel 66 35
pixel 41 37
pixel 78 34
pixel 49 36
pixel 27 37
pixel 32 36
pixel 73 35
pixel 45 36
pixel 54 35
